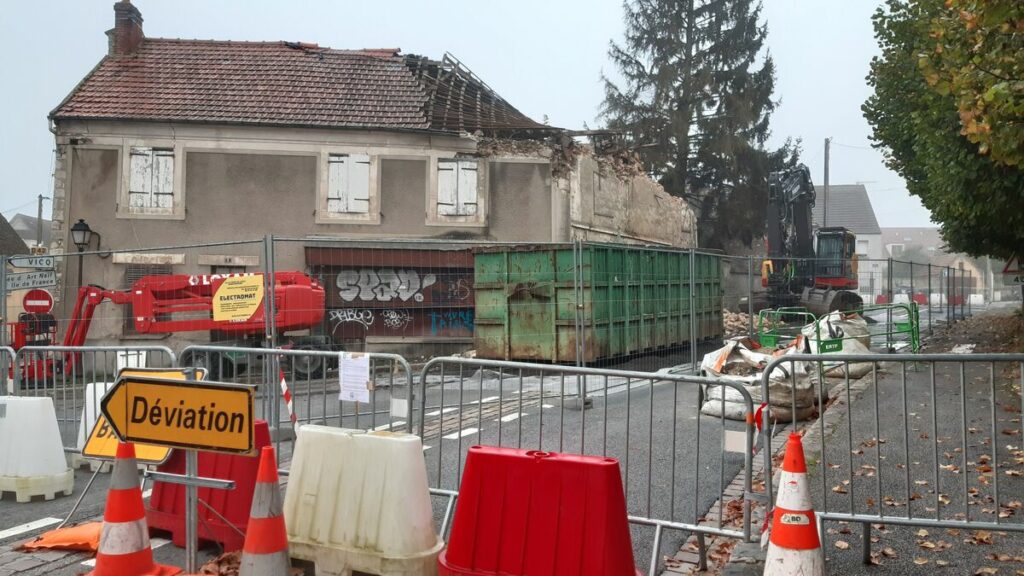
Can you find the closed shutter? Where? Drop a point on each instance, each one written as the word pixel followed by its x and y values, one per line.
pixel 348 184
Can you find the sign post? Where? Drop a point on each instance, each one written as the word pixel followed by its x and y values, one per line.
pixel 190 414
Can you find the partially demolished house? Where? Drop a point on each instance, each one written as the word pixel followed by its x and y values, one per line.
pixel 168 142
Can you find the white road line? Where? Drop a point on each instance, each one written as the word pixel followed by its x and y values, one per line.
pixel 154 543
pixel 396 423
pixel 511 417
pixel 546 406
pixel 461 433
pixel 28 527
pixel 425 447
pixel 444 411
pixel 491 399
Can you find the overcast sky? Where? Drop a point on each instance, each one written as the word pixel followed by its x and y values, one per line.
pixel 545 57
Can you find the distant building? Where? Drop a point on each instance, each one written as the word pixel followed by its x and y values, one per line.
pixel 28 228
pixel 925 246
pixel 849 206
pixel 10 244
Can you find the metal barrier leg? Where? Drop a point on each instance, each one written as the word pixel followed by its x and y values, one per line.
pixel 866 543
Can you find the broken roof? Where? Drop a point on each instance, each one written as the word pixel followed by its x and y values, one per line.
pixel 290 84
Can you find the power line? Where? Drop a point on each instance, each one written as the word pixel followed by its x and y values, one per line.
pixel 29 203
pixel 854 146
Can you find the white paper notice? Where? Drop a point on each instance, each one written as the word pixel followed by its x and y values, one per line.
pixel 355 377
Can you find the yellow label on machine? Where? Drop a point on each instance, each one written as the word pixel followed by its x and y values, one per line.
pixel 238 298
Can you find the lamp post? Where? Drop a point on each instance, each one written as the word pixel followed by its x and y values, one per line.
pixel 81 235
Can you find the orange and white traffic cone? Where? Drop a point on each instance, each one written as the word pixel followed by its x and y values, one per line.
pixel 794 546
pixel 265 552
pixel 124 548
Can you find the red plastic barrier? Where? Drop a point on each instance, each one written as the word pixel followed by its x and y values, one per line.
pixel 539 513
pixel 166 507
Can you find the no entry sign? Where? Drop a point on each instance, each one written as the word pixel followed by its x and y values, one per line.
pixel 37 301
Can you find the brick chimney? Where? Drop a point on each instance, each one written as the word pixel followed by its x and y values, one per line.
pixel 126 36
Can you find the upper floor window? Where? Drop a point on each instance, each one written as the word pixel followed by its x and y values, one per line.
pixel 151 180
pixel 348 184
pixel 458 185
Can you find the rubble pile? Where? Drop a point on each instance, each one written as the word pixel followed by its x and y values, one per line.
pixel 736 323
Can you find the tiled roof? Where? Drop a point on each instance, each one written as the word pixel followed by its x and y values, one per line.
pixel 848 206
pixel 279 83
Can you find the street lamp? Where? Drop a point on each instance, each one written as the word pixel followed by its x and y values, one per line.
pixel 81 235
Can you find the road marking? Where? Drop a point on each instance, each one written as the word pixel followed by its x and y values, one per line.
pixel 461 433
pixel 546 406
pixel 387 426
pixel 425 447
pixel 491 399
pixel 28 527
pixel 154 543
pixel 511 417
pixel 444 411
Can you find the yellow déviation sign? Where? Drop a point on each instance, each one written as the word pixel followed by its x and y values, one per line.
pixel 238 298
pixel 182 413
pixel 102 442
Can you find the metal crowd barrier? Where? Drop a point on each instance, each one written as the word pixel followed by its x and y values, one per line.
pixel 675 463
pixel 76 377
pixel 313 383
pixel 932 440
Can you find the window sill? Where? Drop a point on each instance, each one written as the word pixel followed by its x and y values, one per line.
pixel 124 215
pixel 361 220
pixel 456 223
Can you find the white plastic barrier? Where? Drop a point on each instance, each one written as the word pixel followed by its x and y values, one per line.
pixel 359 502
pixel 31 452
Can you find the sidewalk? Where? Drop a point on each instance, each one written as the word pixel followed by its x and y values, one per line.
pixel 915 455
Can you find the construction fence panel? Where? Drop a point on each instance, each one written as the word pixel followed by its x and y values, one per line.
pixel 76 378
pixel 929 440
pixel 311 380
pixel 675 462
pixel 7 366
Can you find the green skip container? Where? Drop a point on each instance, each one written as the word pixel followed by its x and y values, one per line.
pixel 631 300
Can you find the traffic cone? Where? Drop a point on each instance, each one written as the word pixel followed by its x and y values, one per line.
pixel 124 542
pixel 266 541
pixel 794 546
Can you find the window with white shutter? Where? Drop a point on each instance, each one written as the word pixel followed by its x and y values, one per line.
pixel 348 184
pixel 457 187
pixel 151 180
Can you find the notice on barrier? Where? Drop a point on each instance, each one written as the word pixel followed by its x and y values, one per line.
pixel 355 377
pixel 238 298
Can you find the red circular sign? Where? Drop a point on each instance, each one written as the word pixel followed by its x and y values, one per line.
pixel 37 301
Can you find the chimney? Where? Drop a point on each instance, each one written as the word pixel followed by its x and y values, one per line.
pixel 126 35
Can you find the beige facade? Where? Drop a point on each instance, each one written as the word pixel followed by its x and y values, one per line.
pixel 230 183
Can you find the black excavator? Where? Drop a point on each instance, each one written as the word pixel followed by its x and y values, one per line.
pixel 821 279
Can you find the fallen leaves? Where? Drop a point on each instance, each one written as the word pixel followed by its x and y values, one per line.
pixel 920 561
pixel 842 545
pixel 980 537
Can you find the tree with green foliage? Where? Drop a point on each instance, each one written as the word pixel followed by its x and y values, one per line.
pixel 695 101
pixel 976 200
pixel 978 57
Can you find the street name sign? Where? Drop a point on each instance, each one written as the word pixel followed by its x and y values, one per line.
pixel 209 416
pixel 27 261
pixel 29 280
pixel 102 442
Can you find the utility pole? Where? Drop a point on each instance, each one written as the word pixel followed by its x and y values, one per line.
pixel 39 221
pixel 824 223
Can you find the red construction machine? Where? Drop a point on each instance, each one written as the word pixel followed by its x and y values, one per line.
pixel 166 304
